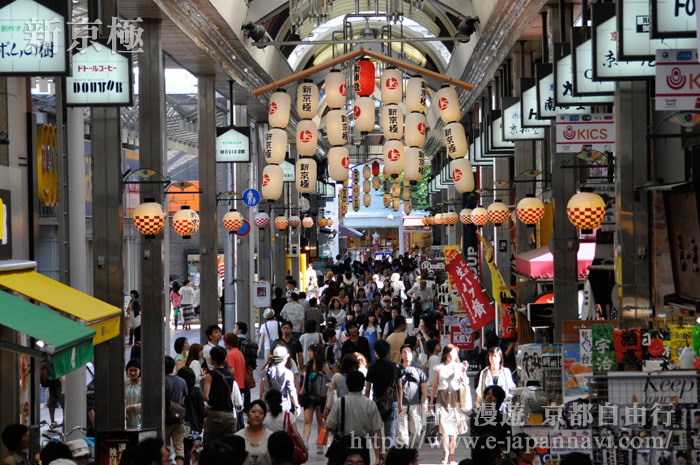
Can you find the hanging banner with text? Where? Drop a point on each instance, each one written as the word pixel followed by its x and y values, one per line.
pixel 677 80
pixel 479 308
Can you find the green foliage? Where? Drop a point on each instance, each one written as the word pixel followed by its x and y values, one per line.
pixel 419 192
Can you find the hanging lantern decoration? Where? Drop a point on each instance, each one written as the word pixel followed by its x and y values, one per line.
pixel 586 210
pixel 307 138
pixel 376 183
pixel 278 111
pixel 394 157
pixel 395 204
pixel 281 222
pixel 355 191
pixel 416 128
pixel 498 212
pixel 465 216
pixel 366 186
pixel 355 176
pixel 306 175
pixel 392 85
pixel 424 220
pixel 330 222
pixel 307 99
pixel 407 194
pixel 275 146
pixel 356 204
pixel 366 172
pixel 455 140
pixel 530 210
pixel 344 194
pixel 387 200
pixel 367 200
pixel 338 163
pixel 294 221
pixel 323 222
pixel 415 165
pixel 430 220
pixel 395 190
pixel 337 127
pixel 346 183
pixel 387 186
pixel 392 122
pixel 407 207
pixel 364 114
pixel 463 175
pixel 335 89
pixel 450 218
pixel 480 216
pixel 375 168
pixel 261 220
pixel 307 222
pixel 364 77
pixel 343 208
pixel 448 103
pixel 416 94
pixel 384 173
pixel 149 218
pixel 233 221
pixel 186 222
pixel 438 218
pixel 272 182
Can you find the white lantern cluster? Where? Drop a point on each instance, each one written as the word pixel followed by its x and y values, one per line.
pixel 276 142
pixel 307 137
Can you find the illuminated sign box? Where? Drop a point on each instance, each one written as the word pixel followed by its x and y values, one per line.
pixel 512 123
pixel 528 104
pixel 564 82
pixel 100 77
pixel 673 19
pixel 582 61
pixel 233 145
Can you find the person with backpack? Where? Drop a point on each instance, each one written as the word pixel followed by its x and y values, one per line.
pixel 384 380
pixel 270 331
pixel 218 386
pixel 250 354
pixel 278 376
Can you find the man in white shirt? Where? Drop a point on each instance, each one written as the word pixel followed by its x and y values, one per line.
pixel 187 298
pixel 269 332
pixel 214 336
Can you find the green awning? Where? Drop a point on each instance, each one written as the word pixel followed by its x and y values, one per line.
pixel 66 343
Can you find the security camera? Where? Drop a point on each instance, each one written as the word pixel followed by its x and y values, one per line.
pixel 256 33
pixel 466 28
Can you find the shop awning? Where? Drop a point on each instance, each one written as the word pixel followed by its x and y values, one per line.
pixel 85 309
pixel 539 263
pixel 345 231
pixel 69 344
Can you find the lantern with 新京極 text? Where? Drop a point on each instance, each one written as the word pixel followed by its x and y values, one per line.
pixel 448 104
pixel 275 146
pixel 392 122
pixel 272 182
pixel 306 175
pixel 415 129
pixel 394 157
pixel 307 138
pixel 414 168
pixel 279 109
pixel 335 89
pixel 337 127
pixel 307 99
pixel 416 94
pixel 455 140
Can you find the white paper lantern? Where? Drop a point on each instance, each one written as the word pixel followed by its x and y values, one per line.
pixel 463 175
pixel 394 158
pixel 392 122
pixel 448 103
pixel 337 127
pixel 395 204
pixel 480 216
pixel 416 94
pixel 364 114
pixel 307 138
pixel 281 222
pixel 278 111
pixel 366 186
pixel 272 182
pixel 465 216
pixel 498 212
pixel 275 146
pixel 307 99
pixel 307 222
pixel 415 129
pixel 306 175
pixel 356 203
pixel 356 191
pixel 450 218
pixel 343 208
pixel 414 168
pixel 367 200
pixel 233 221
pixel 407 207
pixel 355 176
pixel 395 190
pixel 455 140
pixel 406 193
pixel 530 210
pixel 376 183
pixel 438 218
pixel 335 89
pixel 149 218
pixel 346 183
pixel 366 172
pixel 586 210
pixel 387 200
pixel 261 220
pixel 343 195
pixel 338 163
pixel 294 221
pixel 392 85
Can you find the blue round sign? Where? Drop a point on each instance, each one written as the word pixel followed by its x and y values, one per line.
pixel 245 229
pixel 251 197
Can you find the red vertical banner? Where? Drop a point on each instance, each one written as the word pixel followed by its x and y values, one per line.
pixel 479 308
pixel 508 322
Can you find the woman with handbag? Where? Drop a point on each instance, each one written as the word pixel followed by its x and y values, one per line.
pixel 278 420
pixel 256 435
pixel 450 379
pixel 317 375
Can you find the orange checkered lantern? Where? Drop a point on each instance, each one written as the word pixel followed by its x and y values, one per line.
pixel 323 222
pixel 586 210
pixel 430 220
pixel 438 218
pixel 480 216
pixel 233 221
pixel 186 222
pixel 149 218
pixel 498 212
pixel 530 210
pixel 307 222
pixel 281 222
pixel 262 220
pixel 465 216
pixel 450 218
pixel 294 221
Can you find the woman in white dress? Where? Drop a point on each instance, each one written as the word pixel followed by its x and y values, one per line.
pixel 495 373
pixel 449 376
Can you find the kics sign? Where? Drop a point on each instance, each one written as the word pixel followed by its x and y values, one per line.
pixel 677 80
pixel 577 133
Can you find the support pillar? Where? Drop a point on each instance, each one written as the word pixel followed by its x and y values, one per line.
pixel 152 148
pixel 243 257
pixel 501 239
pixel 208 249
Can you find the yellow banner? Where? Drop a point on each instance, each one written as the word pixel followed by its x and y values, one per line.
pixel 496 279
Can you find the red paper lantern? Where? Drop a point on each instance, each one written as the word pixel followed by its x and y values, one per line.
pixel 498 212
pixel 480 216
pixel 294 221
pixel 530 210
pixel 465 216
pixel 586 210
pixel 375 168
pixel 364 77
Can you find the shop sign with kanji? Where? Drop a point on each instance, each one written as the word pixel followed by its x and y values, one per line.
pixel 480 310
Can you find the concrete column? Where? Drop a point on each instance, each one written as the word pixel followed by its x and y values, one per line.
pixel 243 257
pixel 502 242
pixel 152 149
pixel 632 246
pixel 208 249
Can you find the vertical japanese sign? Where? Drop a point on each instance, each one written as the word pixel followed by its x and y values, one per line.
pixel 586 345
pixel 509 324
pixel 479 308
pixel 681 337
pixel 603 348
pixel 628 348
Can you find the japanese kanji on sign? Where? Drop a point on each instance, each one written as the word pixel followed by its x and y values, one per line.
pixel 479 308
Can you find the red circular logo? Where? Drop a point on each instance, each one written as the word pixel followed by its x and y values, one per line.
pixel 421 128
pixel 265 180
pixel 569 133
pixel 306 136
pixel 443 103
pixel 656 348
pixel 273 108
pixel 345 162
pixel 457 174
pixel 342 90
pixel 394 155
pixel 391 83
pixel 357 111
